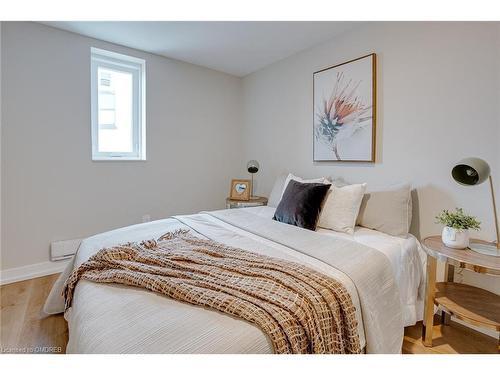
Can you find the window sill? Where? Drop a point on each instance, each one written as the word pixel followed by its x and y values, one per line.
pixel 119 159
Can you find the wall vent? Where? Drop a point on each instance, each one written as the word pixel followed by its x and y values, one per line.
pixel 60 250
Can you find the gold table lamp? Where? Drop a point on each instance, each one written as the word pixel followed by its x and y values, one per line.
pixel 252 168
pixel 474 171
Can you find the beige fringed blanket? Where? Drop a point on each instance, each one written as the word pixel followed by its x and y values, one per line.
pixel 301 310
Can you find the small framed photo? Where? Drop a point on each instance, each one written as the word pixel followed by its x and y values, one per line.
pixel 240 190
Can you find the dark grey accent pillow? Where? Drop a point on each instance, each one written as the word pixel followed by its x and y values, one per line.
pixel 301 204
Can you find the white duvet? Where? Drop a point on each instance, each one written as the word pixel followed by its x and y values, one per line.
pixel 406 255
pixel 120 319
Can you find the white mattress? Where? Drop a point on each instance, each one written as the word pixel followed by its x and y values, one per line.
pixel 405 254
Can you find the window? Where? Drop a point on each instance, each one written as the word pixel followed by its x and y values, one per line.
pixel 117 106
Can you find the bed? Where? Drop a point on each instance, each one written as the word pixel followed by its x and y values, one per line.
pixel 382 273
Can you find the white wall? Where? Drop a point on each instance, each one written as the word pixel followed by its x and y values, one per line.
pixel 51 190
pixel 438 94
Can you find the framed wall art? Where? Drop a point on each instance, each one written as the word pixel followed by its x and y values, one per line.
pixel 344 107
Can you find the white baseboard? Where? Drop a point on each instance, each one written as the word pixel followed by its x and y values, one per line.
pixel 11 275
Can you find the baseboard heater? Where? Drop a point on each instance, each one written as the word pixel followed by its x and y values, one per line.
pixel 60 250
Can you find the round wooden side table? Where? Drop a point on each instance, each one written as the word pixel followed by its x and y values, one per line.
pixel 252 202
pixel 473 305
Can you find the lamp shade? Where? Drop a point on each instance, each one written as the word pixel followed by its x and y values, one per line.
pixel 253 166
pixel 471 171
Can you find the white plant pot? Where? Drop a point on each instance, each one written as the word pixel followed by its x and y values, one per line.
pixel 455 238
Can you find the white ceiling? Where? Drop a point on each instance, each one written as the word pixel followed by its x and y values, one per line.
pixel 237 48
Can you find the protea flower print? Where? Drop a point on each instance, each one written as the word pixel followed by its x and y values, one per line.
pixel 341 115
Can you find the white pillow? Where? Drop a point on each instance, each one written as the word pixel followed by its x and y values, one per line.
pixel 275 196
pixel 321 180
pixel 341 208
pixel 388 210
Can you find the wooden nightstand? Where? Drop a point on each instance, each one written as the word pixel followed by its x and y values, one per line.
pixel 253 202
pixel 473 305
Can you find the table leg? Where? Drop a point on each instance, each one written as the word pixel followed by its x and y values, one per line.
pixel 449 275
pixel 430 289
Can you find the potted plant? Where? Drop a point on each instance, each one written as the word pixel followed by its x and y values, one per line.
pixel 457 224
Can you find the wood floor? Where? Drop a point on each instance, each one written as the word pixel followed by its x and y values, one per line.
pixel 451 339
pixel 23 330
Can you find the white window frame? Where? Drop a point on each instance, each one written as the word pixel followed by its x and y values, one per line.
pixel 122 63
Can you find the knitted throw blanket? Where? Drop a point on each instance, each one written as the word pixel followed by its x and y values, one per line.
pixel 300 309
